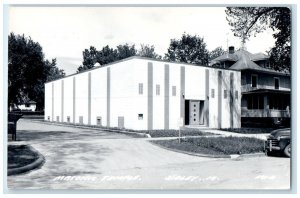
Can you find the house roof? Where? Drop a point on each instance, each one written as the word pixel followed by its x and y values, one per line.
pixel 244 60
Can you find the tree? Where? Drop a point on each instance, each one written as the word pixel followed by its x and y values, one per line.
pixel 148 51
pixel 216 53
pixel 248 21
pixel 188 49
pixel 125 51
pixel 28 71
pixel 106 55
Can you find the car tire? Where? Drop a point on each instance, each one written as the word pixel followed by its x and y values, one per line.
pixel 267 153
pixel 287 150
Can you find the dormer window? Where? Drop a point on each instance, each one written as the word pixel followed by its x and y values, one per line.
pixel 253 80
pixel 276 83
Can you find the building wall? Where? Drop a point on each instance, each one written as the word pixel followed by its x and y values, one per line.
pixel 112 94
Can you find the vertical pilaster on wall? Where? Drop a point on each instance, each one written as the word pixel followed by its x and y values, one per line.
pixel 167 96
pixel 108 97
pixel 206 102
pixel 52 101
pixel 150 96
pixel 89 98
pixel 62 100
pixel 219 99
pixel 182 92
pixel 231 100
pixel 74 99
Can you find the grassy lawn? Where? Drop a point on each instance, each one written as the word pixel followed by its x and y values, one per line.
pixel 249 130
pixel 215 145
pixel 19 156
pixel 175 133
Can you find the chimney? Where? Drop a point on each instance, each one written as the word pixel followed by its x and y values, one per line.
pixel 231 50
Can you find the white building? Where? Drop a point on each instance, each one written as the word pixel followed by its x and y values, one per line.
pixel 143 94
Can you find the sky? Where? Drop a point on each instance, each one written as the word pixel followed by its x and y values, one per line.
pixel 64 32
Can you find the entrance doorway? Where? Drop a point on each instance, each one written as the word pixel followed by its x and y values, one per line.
pixel 194 112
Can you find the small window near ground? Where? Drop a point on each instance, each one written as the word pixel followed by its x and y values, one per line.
pixel 48 118
pixel 140 88
pixel 276 81
pixel 213 93
pixel 140 116
pixel 57 118
pixel 225 94
pixel 173 90
pixel 254 81
pixel 236 94
pixel 80 119
pixel 157 90
pixel 99 122
pixel 68 118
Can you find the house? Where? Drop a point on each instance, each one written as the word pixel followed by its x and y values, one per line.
pixel 265 92
pixel 144 94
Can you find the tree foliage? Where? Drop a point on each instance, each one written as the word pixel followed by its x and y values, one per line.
pixel 188 49
pixel 28 71
pixel 216 53
pixel 148 51
pixel 248 21
pixel 105 55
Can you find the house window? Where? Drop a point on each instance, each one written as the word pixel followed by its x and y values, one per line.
pixel 68 118
pixel 253 80
pixel 276 82
pixel 140 116
pixel 173 90
pixel 140 88
pixel 157 90
pixel 48 118
pixel 213 93
pixel 255 102
pixel 225 94
pixel 27 105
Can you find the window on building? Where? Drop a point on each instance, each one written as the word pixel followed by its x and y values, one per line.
pixel 173 90
pixel 213 93
pixel 68 118
pixel 254 81
pixel 236 94
pixel 27 105
pixel 48 118
pixel 99 120
pixel 57 118
pixel 140 88
pixel 140 116
pixel 276 82
pixel 225 94
pixel 157 90
pixel 255 102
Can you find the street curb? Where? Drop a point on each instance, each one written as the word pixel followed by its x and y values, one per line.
pixel 37 163
pixel 191 153
pixel 249 155
pixel 94 128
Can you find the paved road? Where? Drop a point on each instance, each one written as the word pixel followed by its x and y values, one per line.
pixel 104 160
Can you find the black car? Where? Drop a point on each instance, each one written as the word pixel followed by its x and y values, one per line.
pixel 279 141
